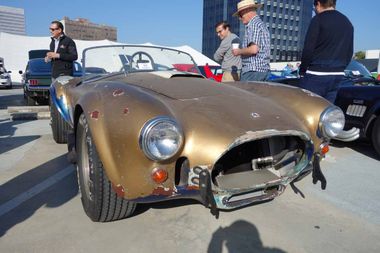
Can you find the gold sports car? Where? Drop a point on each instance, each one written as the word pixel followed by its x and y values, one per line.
pixel 140 129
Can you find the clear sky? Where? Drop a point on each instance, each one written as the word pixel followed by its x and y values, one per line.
pixel 170 22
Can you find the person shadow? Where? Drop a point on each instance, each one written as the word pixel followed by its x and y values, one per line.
pixel 241 236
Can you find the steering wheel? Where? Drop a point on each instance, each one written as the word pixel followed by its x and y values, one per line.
pixel 139 57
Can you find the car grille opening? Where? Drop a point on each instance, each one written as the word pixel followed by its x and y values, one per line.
pixel 258 162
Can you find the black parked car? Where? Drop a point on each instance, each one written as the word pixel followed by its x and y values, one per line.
pixel 37 79
pixel 359 99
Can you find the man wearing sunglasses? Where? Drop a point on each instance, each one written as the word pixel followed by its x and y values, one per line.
pixel 327 51
pixel 63 52
pixel 231 64
pixel 255 51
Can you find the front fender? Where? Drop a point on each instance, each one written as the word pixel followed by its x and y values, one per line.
pixel 115 114
pixel 59 97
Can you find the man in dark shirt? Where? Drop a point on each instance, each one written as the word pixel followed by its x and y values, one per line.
pixel 327 51
pixel 62 53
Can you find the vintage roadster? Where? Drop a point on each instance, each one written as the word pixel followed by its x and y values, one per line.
pixel 143 131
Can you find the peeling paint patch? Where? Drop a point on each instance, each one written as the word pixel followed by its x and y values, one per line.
pixel 309 93
pixel 119 189
pixel 118 92
pixel 95 114
pixel 163 191
pixel 255 115
pixel 192 187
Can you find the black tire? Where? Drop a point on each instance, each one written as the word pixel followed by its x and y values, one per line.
pixel 59 126
pixel 99 200
pixel 376 135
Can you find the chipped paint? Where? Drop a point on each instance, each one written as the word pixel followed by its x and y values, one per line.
pixel 63 80
pixel 95 115
pixel 255 115
pixel 126 111
pixel 309 93
pixel 250 136
pixel 118 92
pixel 163 191
pixel 119 189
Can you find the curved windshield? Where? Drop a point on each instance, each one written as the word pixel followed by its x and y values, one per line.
pixel 357 69
pixel 125 58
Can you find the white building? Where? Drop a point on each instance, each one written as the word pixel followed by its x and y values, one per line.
pixel 12 20
pixel 372 54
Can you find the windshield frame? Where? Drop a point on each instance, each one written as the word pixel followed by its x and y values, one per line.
pixel 134 46
pixel 358 66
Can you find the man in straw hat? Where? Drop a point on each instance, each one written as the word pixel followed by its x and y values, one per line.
pixel 255 51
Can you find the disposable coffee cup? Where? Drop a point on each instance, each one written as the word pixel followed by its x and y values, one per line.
pixel 235 45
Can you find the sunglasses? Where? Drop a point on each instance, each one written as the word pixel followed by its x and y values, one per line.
pixel 54 29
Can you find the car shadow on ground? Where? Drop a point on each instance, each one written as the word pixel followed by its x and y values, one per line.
pixel 362 146
pixel 29 183
pixel 14 142
pixel 8 140
pixel 11 100
pixel 173 203
pixel 241 236
pixel 144 207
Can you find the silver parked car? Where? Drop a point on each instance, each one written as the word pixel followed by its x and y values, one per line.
pixel 5 78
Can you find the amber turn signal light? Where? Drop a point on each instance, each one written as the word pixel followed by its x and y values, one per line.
pixel 325 148
pixel 159 175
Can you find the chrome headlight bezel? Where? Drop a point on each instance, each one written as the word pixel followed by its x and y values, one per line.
pixel 148 129
pixel 331 122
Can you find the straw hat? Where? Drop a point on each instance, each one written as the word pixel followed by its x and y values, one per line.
pixel 246 4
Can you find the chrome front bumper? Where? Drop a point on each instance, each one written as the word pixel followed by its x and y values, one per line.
pixel 349 135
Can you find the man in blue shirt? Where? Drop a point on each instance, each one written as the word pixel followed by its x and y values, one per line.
pixel 327 51
pixel 255 51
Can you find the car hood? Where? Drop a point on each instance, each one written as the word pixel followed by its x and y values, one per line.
pixel 210 102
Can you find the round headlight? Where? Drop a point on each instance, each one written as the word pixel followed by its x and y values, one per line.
pixel 161 138
pixel 331 122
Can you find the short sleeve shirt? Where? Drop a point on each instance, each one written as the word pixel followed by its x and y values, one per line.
pixel 256 32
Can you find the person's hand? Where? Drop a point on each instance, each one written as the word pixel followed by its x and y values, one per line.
pixel 52 55
pixel 47 59
pixel 236 51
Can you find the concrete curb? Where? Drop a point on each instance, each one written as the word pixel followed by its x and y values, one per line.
pixel 29 112
pixel 16 109
pixel 30 115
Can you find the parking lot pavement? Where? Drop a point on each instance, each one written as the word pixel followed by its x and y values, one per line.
pixel 40 208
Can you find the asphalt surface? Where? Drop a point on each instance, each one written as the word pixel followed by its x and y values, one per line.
pixel 40 207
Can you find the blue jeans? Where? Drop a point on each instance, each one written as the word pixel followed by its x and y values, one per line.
pixel 325 86
pixel 254 76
